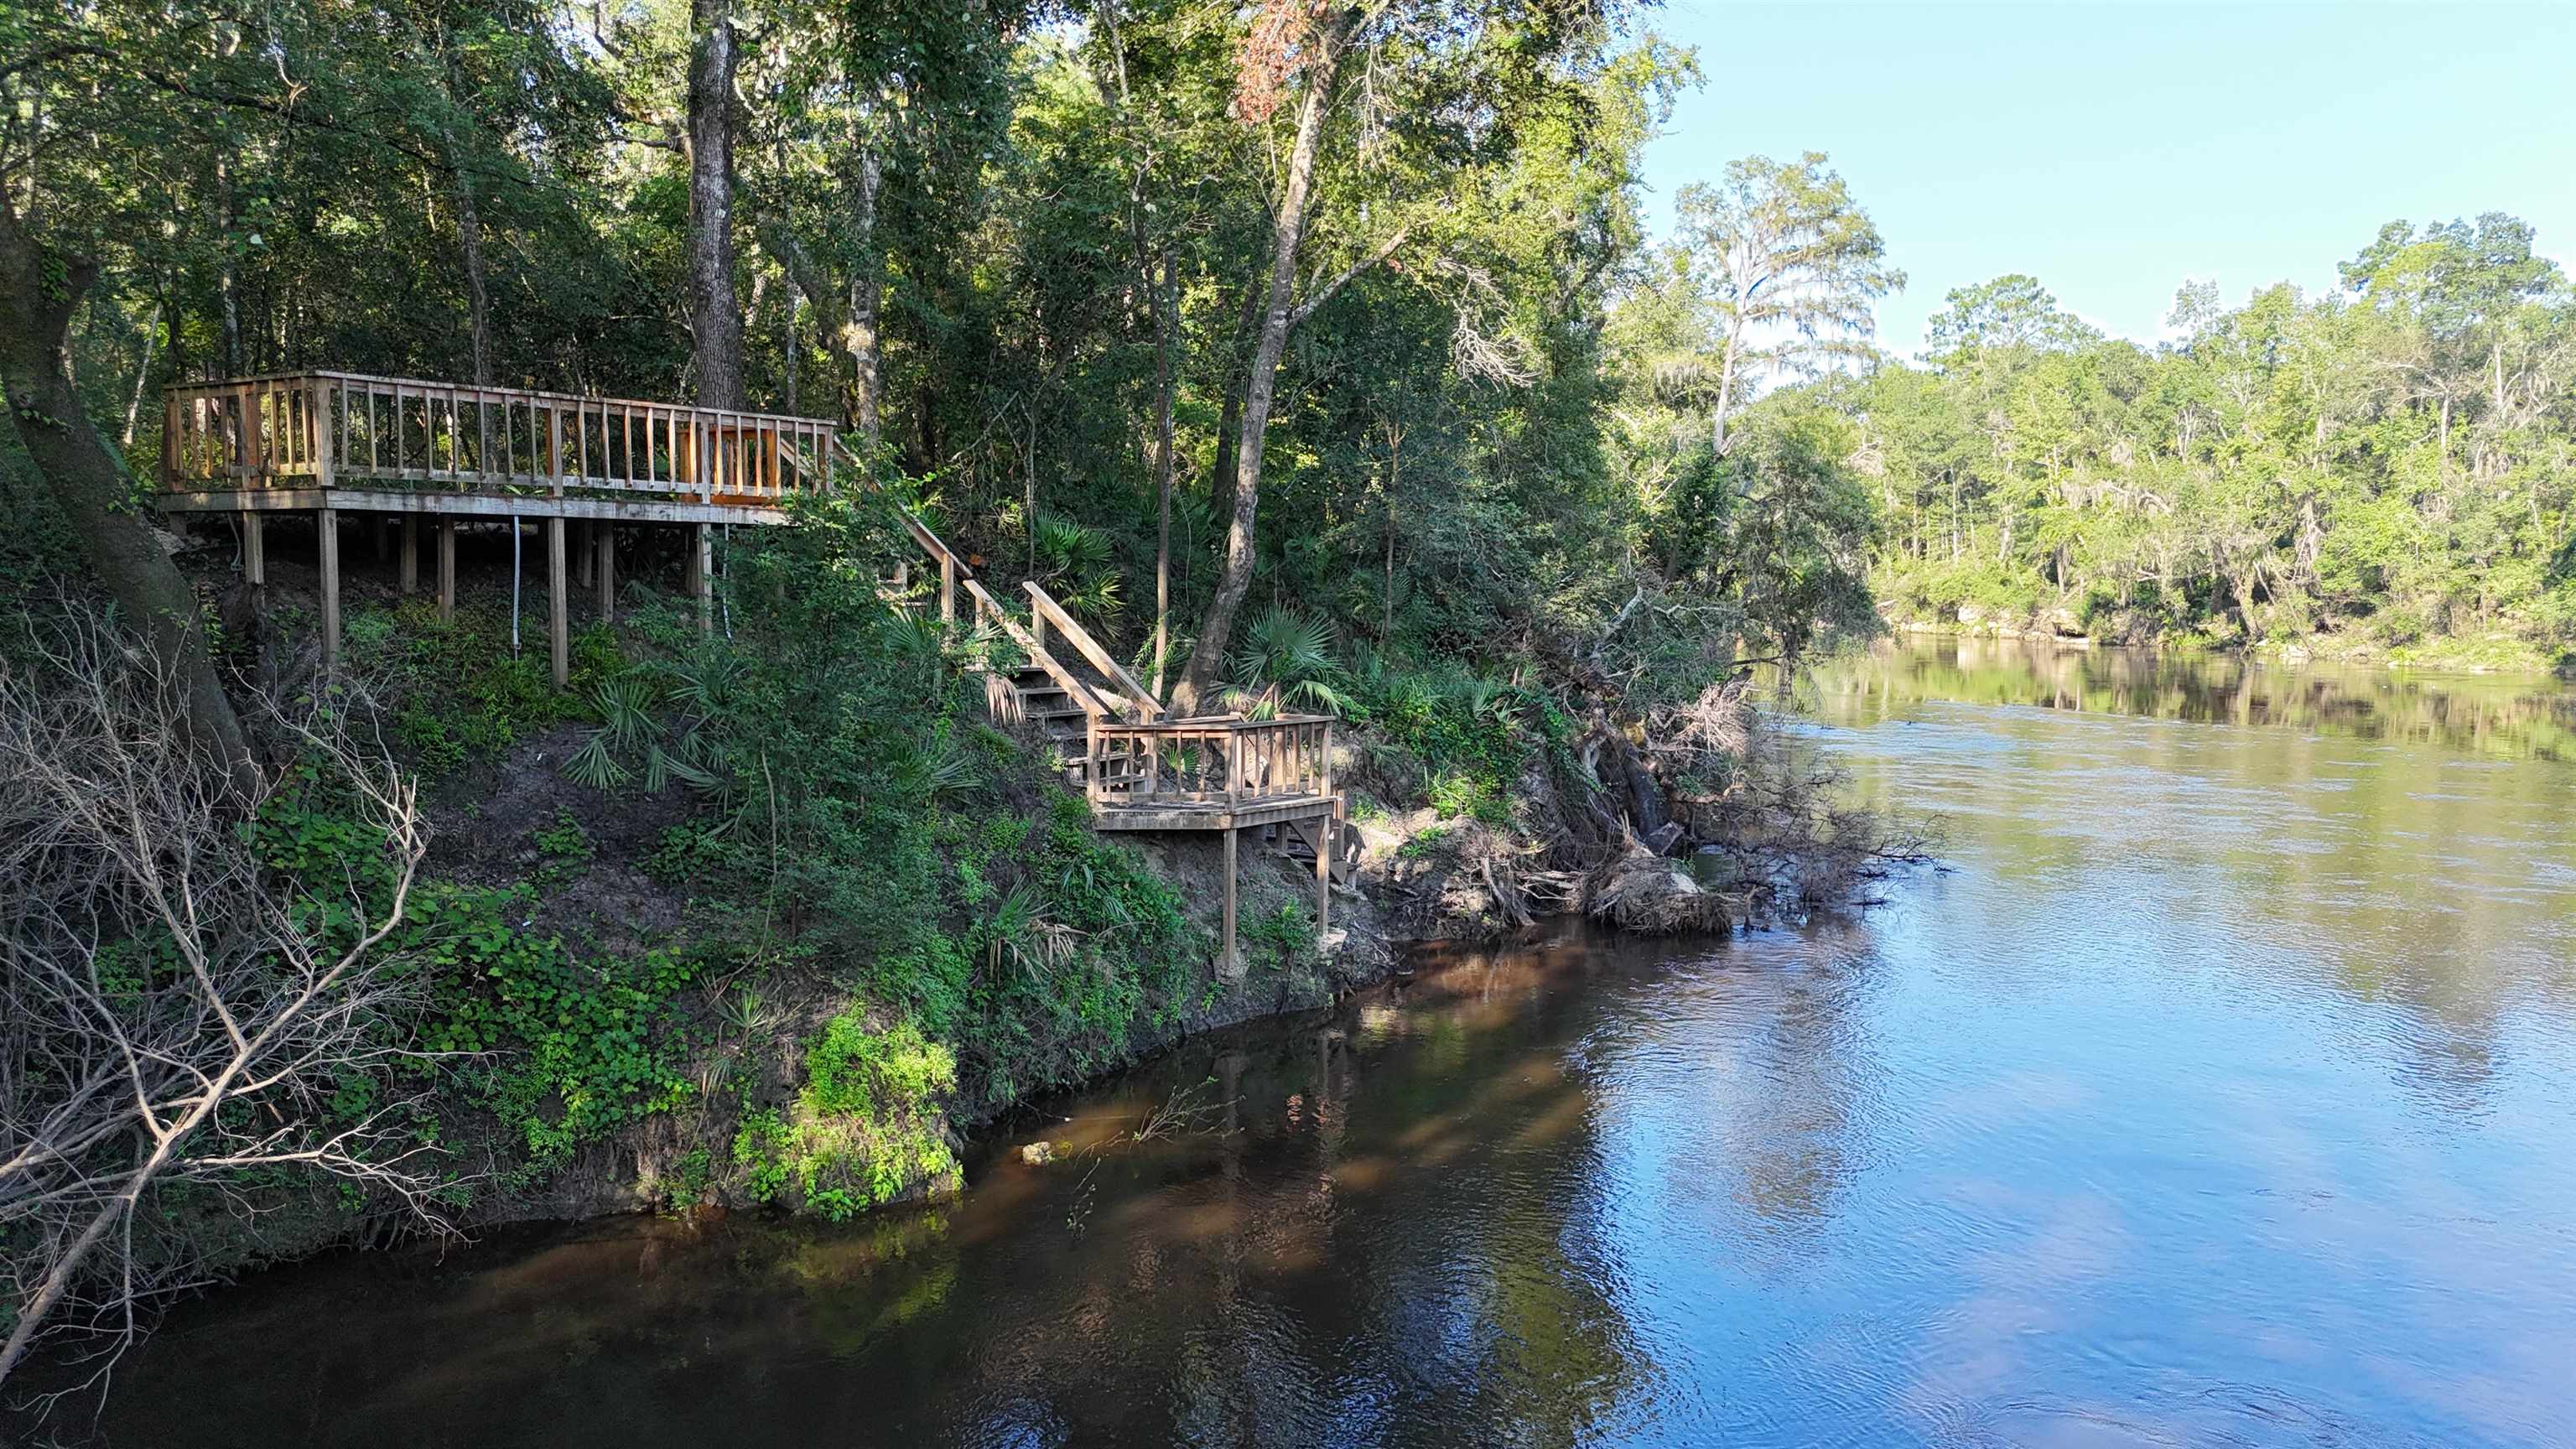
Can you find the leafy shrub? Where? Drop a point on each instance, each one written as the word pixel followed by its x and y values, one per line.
pixel 459 693
pixel 576 1049
pixel 863 1130
pixel 849 1069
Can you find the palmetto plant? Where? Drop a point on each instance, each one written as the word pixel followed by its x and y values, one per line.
pixel 942 765
pixel 627 705
pixel 1077 563
pixel 1286 658
pixel 1021 931
pixel 658 712
pixel 1486 699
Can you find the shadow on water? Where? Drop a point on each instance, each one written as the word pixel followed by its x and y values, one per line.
pixel 1358 1223
pixel 2222 1089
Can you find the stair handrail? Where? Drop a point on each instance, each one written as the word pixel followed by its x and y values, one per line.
pixel 988 607
pixel 1045 607
pixel 953 570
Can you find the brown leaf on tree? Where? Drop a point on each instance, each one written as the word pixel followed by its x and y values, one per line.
pixel 1274 50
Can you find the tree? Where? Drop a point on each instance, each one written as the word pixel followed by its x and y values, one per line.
pixel 715 316
pixel 1441 112
pixel 73 91
pixel 1792 264
pixel 2012 314
pixel 1288 40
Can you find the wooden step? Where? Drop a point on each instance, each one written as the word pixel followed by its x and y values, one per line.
pixel 1294 846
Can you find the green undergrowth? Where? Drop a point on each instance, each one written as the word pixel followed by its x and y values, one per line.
pixel 855 846
pixel 557 1046
pixel 865 1128
pixel 457 693
pixel 1465 738
pixel 566 1047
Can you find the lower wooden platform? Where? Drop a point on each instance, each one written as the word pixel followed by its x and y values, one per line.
pixel 1211 814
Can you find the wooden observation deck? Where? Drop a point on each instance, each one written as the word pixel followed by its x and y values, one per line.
pixel 336 443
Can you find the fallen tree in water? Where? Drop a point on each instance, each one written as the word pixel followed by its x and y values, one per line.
pixel 1698 817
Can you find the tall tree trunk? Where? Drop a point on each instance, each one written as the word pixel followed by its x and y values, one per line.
pixel 867 288
pixel 142 375
pixel 39 292
pixel 1288 231
pixel 228 272
pixel 1165 305
pixel 1725 390
pixel 795 347
pixel 1394 480
pixel 478 292
pixel 1229 420
pixel 715 317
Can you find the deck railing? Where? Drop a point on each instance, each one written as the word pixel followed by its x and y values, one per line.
pixel 325 429
pixel 1226 764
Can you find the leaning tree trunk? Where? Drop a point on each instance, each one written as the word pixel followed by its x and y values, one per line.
pixel 1262 380
pixel 1229 420
pixel 39 291
pixel 1717 439
pixel 715 317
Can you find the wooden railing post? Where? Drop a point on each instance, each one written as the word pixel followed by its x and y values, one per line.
pixel 169 438
pixel 326 453
pixel 947 589
pixel 247 454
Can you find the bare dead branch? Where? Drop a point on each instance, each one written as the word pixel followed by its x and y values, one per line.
pixel 175 1014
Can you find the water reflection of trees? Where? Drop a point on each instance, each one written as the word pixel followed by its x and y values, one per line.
pixel 2512 718
pixel 1377 1254
pixel 2402 839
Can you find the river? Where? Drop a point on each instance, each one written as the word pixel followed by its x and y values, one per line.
pixel 2219 1088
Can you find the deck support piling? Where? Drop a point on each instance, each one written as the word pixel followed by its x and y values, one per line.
pixel 410 554
pixel 558 627
pixel 254 548
pixel 446 569
pixel 327 529
pixel 582 555
pixel 1323 874
pixel 1233 960
pixel 702 558
pixel 605 566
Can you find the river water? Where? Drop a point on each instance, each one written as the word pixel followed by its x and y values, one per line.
pixel 2220 1089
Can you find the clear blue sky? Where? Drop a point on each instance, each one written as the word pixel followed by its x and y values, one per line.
pixel 2114 150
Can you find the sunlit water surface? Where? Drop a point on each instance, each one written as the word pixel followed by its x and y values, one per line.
pixel 2222 1090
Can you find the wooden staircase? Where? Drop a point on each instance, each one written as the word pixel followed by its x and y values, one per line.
pixel 1141 768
